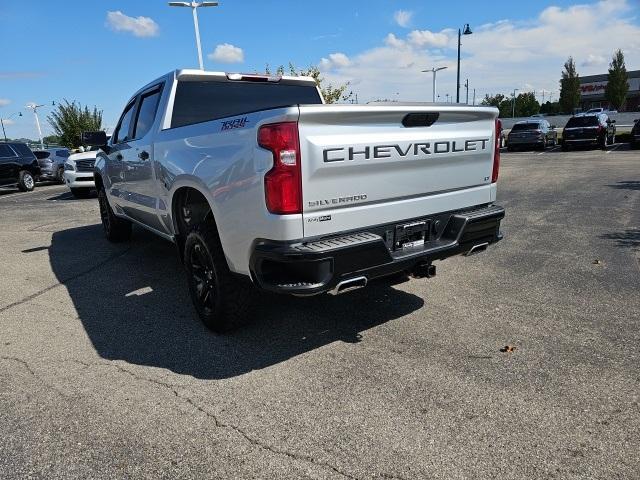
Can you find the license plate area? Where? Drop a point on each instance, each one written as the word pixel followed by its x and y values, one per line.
pixel 411 235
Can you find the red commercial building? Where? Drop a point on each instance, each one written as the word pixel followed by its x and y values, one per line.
pixel 592 92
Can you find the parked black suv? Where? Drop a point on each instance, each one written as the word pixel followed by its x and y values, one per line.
pixel 18 166
pixel 596 129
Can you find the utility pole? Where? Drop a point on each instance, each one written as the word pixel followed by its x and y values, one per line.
pixel 466 31
pixel 474 96
pixel 194 10
pixel 466 86
pixel 513 110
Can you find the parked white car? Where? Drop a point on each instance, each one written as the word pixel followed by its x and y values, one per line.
pixel 78 172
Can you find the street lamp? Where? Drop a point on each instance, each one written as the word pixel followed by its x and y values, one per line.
pixel 194 7
pixel 465 31
pixel 434 70
pixel 8 118
pixel 35 108
pixel 513 108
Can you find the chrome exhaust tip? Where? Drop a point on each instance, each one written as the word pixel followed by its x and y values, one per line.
pixel 481 247
pixel 348 285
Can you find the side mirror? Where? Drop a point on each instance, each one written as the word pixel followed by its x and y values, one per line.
pixel 94 139
pixel 612 121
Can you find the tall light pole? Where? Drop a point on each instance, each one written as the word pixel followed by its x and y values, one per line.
pixel 35 107
pixel 513 108
pixel 434 70
pixel 194 9
pixel 8 118
pixel 465 31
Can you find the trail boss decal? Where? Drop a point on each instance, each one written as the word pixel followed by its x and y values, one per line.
pixel 340 154
pixel 231 124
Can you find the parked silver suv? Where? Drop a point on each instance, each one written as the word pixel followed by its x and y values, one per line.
pixel 51 161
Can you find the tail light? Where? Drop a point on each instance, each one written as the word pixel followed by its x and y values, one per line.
pixel 496 152
pixel 283 183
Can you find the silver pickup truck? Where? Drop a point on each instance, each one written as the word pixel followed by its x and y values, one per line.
pixel 258 182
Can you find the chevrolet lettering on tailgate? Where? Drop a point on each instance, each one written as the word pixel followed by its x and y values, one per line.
pixel 340 154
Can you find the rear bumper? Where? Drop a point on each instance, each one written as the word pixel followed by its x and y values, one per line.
pixel 315 266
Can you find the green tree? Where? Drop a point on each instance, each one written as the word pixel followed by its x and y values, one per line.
pixel 618 82
pixel 549 108
pixel 51 140
pixel 527 105
pixel 70 119
pixel 330 93
pixel 501 102
pixel 569 87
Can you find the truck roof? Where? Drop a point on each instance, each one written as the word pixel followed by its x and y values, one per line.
pixel 196 74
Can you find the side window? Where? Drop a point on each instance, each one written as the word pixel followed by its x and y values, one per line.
pixel 6 151
pixel 23 150
pixel 63 153
pixel 147 113
pixel 122 130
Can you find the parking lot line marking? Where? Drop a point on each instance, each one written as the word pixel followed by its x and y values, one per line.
pixel 614 148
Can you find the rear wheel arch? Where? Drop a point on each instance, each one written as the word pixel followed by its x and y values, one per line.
pixel 190 207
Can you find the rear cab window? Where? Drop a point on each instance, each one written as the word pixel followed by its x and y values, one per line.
pixel 42 155
pixel 199 101
pixel 526 126
pixel 589 121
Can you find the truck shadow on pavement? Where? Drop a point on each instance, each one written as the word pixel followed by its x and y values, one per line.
pixel 627 239
pixel 627 185
pixel 134 304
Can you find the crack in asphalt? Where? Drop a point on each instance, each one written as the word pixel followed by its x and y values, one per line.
pixel 36 376
pixel 217 422
pixel 65 281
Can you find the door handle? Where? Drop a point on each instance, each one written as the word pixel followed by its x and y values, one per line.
pixel 119 156
pixel 143 155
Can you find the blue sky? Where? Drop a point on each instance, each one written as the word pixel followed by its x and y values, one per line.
pixel 77 50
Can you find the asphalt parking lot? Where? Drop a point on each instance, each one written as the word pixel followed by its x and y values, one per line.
pixel 105 371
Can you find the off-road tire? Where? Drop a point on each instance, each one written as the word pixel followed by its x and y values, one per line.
pixel 221 300
pixel 115 229
pixel 26 181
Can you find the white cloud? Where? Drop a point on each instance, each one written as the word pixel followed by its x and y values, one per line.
pixel 227 53
pixel 393 41
pixel 4 102
pixel 139 26
pixel 8 121
pixel 426 38
pixel 403 18
pixel 594 61
pixel 335 60
pixel 497 57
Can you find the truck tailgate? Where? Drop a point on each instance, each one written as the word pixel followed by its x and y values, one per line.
pixel 366 165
